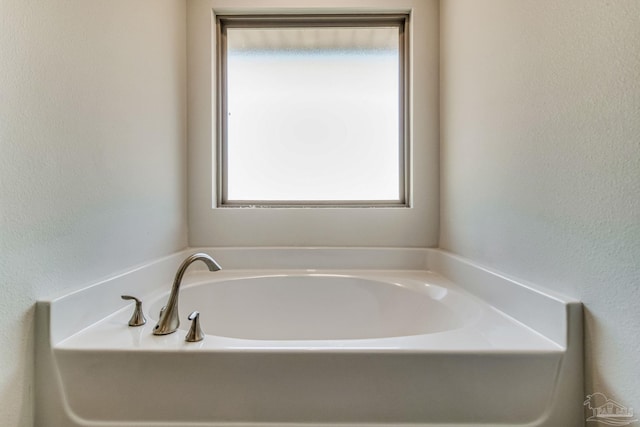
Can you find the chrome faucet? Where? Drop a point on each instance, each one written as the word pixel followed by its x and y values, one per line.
pixel 169 319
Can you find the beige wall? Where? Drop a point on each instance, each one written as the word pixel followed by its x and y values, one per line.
pixel 92 156
pixel 541 159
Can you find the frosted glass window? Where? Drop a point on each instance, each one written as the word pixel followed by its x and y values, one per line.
pixel 312 114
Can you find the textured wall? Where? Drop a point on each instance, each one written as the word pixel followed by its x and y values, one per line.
pixel 541 159
pixel 92 152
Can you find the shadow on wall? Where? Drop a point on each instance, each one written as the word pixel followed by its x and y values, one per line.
pixel 596 383
pixel 593 377
pixel 18 388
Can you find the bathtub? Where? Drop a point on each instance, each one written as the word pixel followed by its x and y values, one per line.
pixel 318 346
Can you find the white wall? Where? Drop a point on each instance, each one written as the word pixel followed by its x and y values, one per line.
pixel 92 156
pixel 541 159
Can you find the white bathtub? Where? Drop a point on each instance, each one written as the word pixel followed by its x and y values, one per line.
pixel 317 347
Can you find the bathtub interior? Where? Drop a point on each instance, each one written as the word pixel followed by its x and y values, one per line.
pixel 315 306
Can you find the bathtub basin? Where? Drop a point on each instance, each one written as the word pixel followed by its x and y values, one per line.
pixel 321 347
pixel 322 307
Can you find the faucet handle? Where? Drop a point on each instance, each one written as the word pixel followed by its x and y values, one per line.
pixel 195 332
pixel 137 319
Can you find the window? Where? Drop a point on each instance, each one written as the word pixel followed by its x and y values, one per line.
pixel 407 218
pixel 312 110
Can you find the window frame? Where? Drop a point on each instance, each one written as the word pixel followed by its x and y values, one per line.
pixel 224 21
pixel 208 225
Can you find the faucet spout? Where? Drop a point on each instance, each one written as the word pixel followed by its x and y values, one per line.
pixel 169 318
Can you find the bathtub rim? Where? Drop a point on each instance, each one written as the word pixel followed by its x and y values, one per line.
pixel 492 332
pixel 68 314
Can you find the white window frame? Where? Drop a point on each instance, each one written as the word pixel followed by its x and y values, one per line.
pixel 324 20
pixel 415 225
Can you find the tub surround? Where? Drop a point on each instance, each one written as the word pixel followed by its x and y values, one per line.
pixel 514 358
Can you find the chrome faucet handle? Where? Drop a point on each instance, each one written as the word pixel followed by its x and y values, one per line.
pixel 195 332
pixel 137 319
